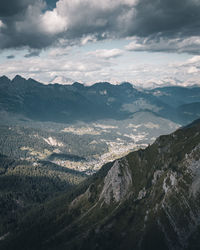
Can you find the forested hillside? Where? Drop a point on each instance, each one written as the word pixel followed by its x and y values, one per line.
pixel 24 185
pixel 148 199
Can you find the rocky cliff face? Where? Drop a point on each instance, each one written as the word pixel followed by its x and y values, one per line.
pixel 149 199
pixel 116 183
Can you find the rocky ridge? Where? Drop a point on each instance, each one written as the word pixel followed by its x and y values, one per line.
pixel 149 199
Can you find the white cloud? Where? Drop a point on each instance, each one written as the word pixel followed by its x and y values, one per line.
pixel 53 23
pixel 106 53
pixel 77 21
pixel 88 38
pixel 59 52
pixel 194 59
pixel 47 67
pixel 84 18
pixel 178 45
pixel 69 7
pixel 157 26
pixel 192 70
pixel 2 25
pixel 49 22
pixel 134 46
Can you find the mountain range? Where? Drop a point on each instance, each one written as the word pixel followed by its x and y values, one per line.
pixel 76 102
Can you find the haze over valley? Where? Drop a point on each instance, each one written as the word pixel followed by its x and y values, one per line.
pixel 99 125
pixel 81 127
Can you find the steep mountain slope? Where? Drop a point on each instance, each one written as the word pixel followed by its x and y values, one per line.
pixel 149 199
pixel 24 184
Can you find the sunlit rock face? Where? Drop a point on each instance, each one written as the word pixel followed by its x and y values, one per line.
pixel 116 183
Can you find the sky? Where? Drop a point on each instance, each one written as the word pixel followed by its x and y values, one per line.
pixel 145 42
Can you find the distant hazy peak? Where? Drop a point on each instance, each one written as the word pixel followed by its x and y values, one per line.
pixel 104 84
pixel 61 80
pixel 78 84
pixel 126 84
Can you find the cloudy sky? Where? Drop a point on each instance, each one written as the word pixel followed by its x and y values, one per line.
pixel 144 42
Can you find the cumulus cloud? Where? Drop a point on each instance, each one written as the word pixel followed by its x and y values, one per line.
pixel 194 59
pixel 106 53
pixel 88 38
pixel 189 45
pixel 192 70
pixel 191 66
pixel 158 25
pixel 53 23
pixel 33 25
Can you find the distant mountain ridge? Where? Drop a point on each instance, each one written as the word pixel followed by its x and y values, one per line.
pixel 77 102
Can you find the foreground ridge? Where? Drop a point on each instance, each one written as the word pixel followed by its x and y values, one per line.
pixel 146 200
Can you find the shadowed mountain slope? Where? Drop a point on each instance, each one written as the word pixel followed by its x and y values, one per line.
pixel 149 199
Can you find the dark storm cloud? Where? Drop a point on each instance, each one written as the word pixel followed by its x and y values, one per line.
pixel 167 26
pixel 19 24
pixel 155 23
pixel 167 18
pixel 13 7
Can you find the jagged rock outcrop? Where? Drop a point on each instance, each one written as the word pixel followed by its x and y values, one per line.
pixel 116 183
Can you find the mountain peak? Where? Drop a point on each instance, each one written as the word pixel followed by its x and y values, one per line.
pixel 126 85
pixel 18 78
pixel 102 84
pixel 77 85
pixel 31 80
pixel 4 79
